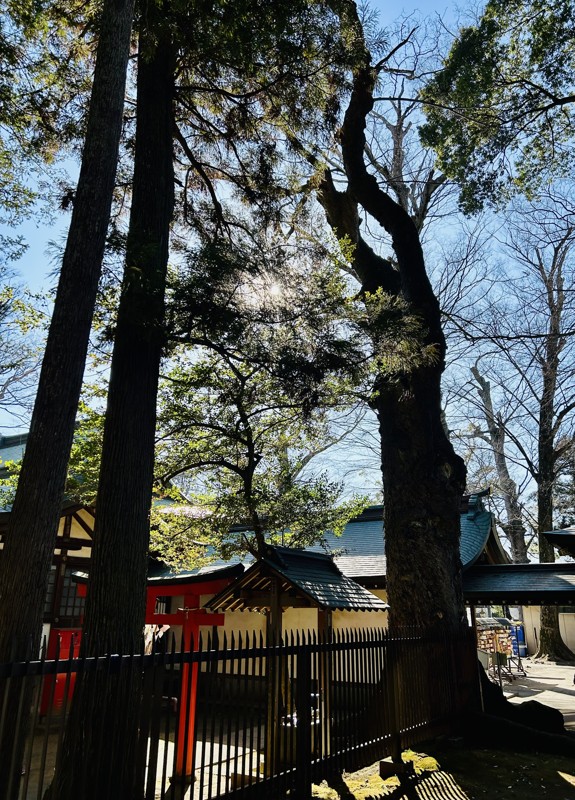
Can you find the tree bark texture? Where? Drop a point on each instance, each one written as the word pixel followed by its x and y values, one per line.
pixel 423 478
pixel 29 545
pixel 115 604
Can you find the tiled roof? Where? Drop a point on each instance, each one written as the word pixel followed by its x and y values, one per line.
pixel 522 584
pixel 312 577
pixel 360 551
pixel 12 447
pixel 475 529
pixel 564 539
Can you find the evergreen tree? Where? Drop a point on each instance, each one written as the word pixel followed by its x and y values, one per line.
pixel 29 545
pixel 122 527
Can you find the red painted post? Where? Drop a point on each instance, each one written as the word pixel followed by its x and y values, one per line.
pixel 190 617
pixel 188 696
pixel 192 620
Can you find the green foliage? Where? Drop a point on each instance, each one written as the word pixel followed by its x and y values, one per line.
pixel 216 523
pixel 249 74
pixel 84 466
pixel 43 83
pixel 269 305
pixel 398 333
pixel 237 443
pixel 10 475
pixel 499 113
pixel 265 350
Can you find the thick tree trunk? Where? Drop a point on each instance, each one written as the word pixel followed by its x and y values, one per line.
pixel 551 644
pixel 116 595
pixel 423 479
pixel 29 545
pixel 423 482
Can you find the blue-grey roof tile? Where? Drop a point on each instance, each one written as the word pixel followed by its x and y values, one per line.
pixel 524 584
pixel 312 575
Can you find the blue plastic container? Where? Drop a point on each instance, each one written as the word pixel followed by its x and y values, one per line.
pixel 518 640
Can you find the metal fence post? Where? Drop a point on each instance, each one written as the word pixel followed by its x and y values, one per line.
pixel 304 723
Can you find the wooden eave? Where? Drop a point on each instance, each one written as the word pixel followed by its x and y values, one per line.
pixel 265 586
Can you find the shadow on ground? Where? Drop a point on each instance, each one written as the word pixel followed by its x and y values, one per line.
pixel 462 773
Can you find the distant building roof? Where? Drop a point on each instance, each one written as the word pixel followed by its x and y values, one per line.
pixel 477 532
pixel 521 584
pixel 12 447
pixel 359 553
pixel 304 576
pixel 159 573
pixel 563 539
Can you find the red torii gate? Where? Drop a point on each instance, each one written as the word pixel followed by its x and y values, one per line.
pixel 191 617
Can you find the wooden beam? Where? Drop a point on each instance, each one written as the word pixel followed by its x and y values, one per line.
pixel 83 524
pixel 266 599
pixel 71 543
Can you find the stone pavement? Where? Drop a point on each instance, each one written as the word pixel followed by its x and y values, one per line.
pixel 547 682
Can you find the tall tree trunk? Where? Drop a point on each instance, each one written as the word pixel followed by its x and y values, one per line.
pixel 30 539
pixel 495 438
pixel 121 535
pixel 423 479
pixel 551 644
pixel 116 595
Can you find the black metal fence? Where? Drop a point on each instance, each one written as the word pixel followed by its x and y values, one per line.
pixel 237 717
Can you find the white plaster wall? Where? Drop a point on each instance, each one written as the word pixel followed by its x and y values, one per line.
pixel 567 628
pixel 300 619
pixel 355 620
pixel 244 623
pixel 532 619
